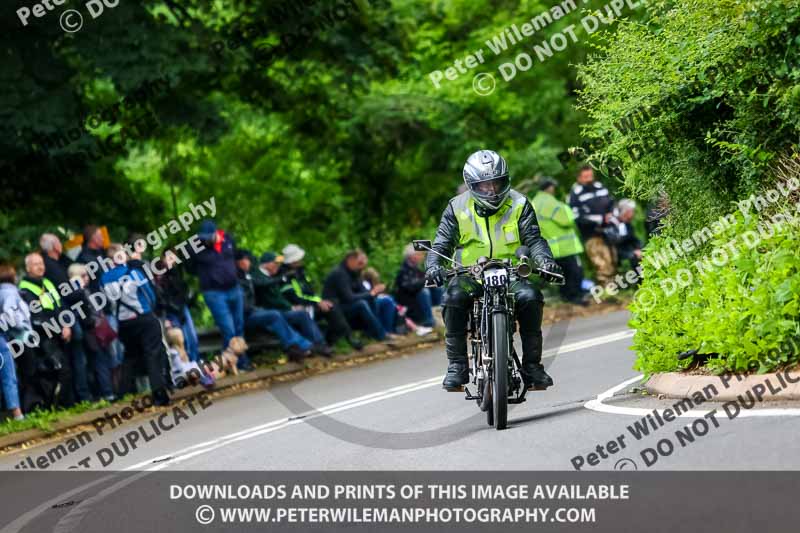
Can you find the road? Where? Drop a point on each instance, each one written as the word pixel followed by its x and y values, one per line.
pixel 393 415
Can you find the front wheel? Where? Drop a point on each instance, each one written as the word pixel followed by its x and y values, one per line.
pixel 500 339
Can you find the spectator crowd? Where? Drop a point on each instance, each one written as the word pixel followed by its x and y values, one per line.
pixel 143 335
pixel 590 221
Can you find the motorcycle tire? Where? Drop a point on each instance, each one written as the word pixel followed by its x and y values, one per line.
pixel 500 345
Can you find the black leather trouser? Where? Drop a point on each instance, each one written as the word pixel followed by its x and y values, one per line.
pixel 457 303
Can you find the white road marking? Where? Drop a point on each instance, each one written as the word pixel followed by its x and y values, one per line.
pixel 205 447
pixel 598 405
pixel 208 446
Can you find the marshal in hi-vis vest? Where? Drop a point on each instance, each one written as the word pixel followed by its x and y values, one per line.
pixel 48 296
pixel 496 236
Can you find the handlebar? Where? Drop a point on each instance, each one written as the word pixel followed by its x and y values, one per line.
pixel 475 271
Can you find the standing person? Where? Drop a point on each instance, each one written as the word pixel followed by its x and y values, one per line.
pixel 17 318
pixel 295 345
pixel 489 220
pixel 132 300
pixel 593 206
pixel 410 289
pixel 55 269
pixel 92 251
pixel 215 266
pixel 268 283
pixel 174 301
pixel 49 367
pixel 557 224
pixel 343 287
pixel 299 291
pixel 97 338
pixel 8 381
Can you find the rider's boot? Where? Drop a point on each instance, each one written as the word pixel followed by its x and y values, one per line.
pixel 533 373
pixel 530 332
pixel 455 343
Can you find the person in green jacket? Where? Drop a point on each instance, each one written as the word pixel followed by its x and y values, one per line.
pixel 557 224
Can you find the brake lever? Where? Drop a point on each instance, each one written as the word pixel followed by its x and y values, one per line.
pixel 552 277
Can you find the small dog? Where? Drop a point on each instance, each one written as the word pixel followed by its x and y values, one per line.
pixel 236 347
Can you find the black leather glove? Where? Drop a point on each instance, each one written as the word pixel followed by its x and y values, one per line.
pixel 435 275
pixel 550 267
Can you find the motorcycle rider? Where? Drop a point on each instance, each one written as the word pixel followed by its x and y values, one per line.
pixel 489 220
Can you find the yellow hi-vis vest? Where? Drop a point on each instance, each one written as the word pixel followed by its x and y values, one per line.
pixel 48 296
pixel 495 236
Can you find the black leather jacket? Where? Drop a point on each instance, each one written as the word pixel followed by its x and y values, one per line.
pixel 447 236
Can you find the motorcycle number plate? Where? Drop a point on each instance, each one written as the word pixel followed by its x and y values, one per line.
pixel 495 278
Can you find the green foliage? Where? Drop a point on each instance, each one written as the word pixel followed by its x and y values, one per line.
pixel 339 141
pixel 697 102
pixel 44 419
pixel 745 307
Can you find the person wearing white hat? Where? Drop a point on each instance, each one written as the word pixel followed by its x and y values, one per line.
pixel 300 291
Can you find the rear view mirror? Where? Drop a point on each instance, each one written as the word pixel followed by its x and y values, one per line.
pixel 422 246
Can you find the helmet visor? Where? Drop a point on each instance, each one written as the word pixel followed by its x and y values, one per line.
pixel 492 190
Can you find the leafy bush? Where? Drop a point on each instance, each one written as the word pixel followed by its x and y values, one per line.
pixel 697 103
pixel 737 297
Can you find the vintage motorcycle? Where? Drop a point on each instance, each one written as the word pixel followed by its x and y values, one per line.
pixel 494 366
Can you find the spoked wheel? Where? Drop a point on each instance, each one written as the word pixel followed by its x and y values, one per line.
pixel 499 378
pixel 487 401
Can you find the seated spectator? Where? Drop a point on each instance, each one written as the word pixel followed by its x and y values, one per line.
pixel 17 318
pixel 628 245
pixel 47 374
pixel 387 304
pixel 294 344
pixel 132 299
pixel 299 292
pixel 98 334
pixel 557 225
pixel 182 370
pixel 343 286
pixel 174 300
pixel 215 266
pixel 268 282
pixel 410 290
pixel 55 269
